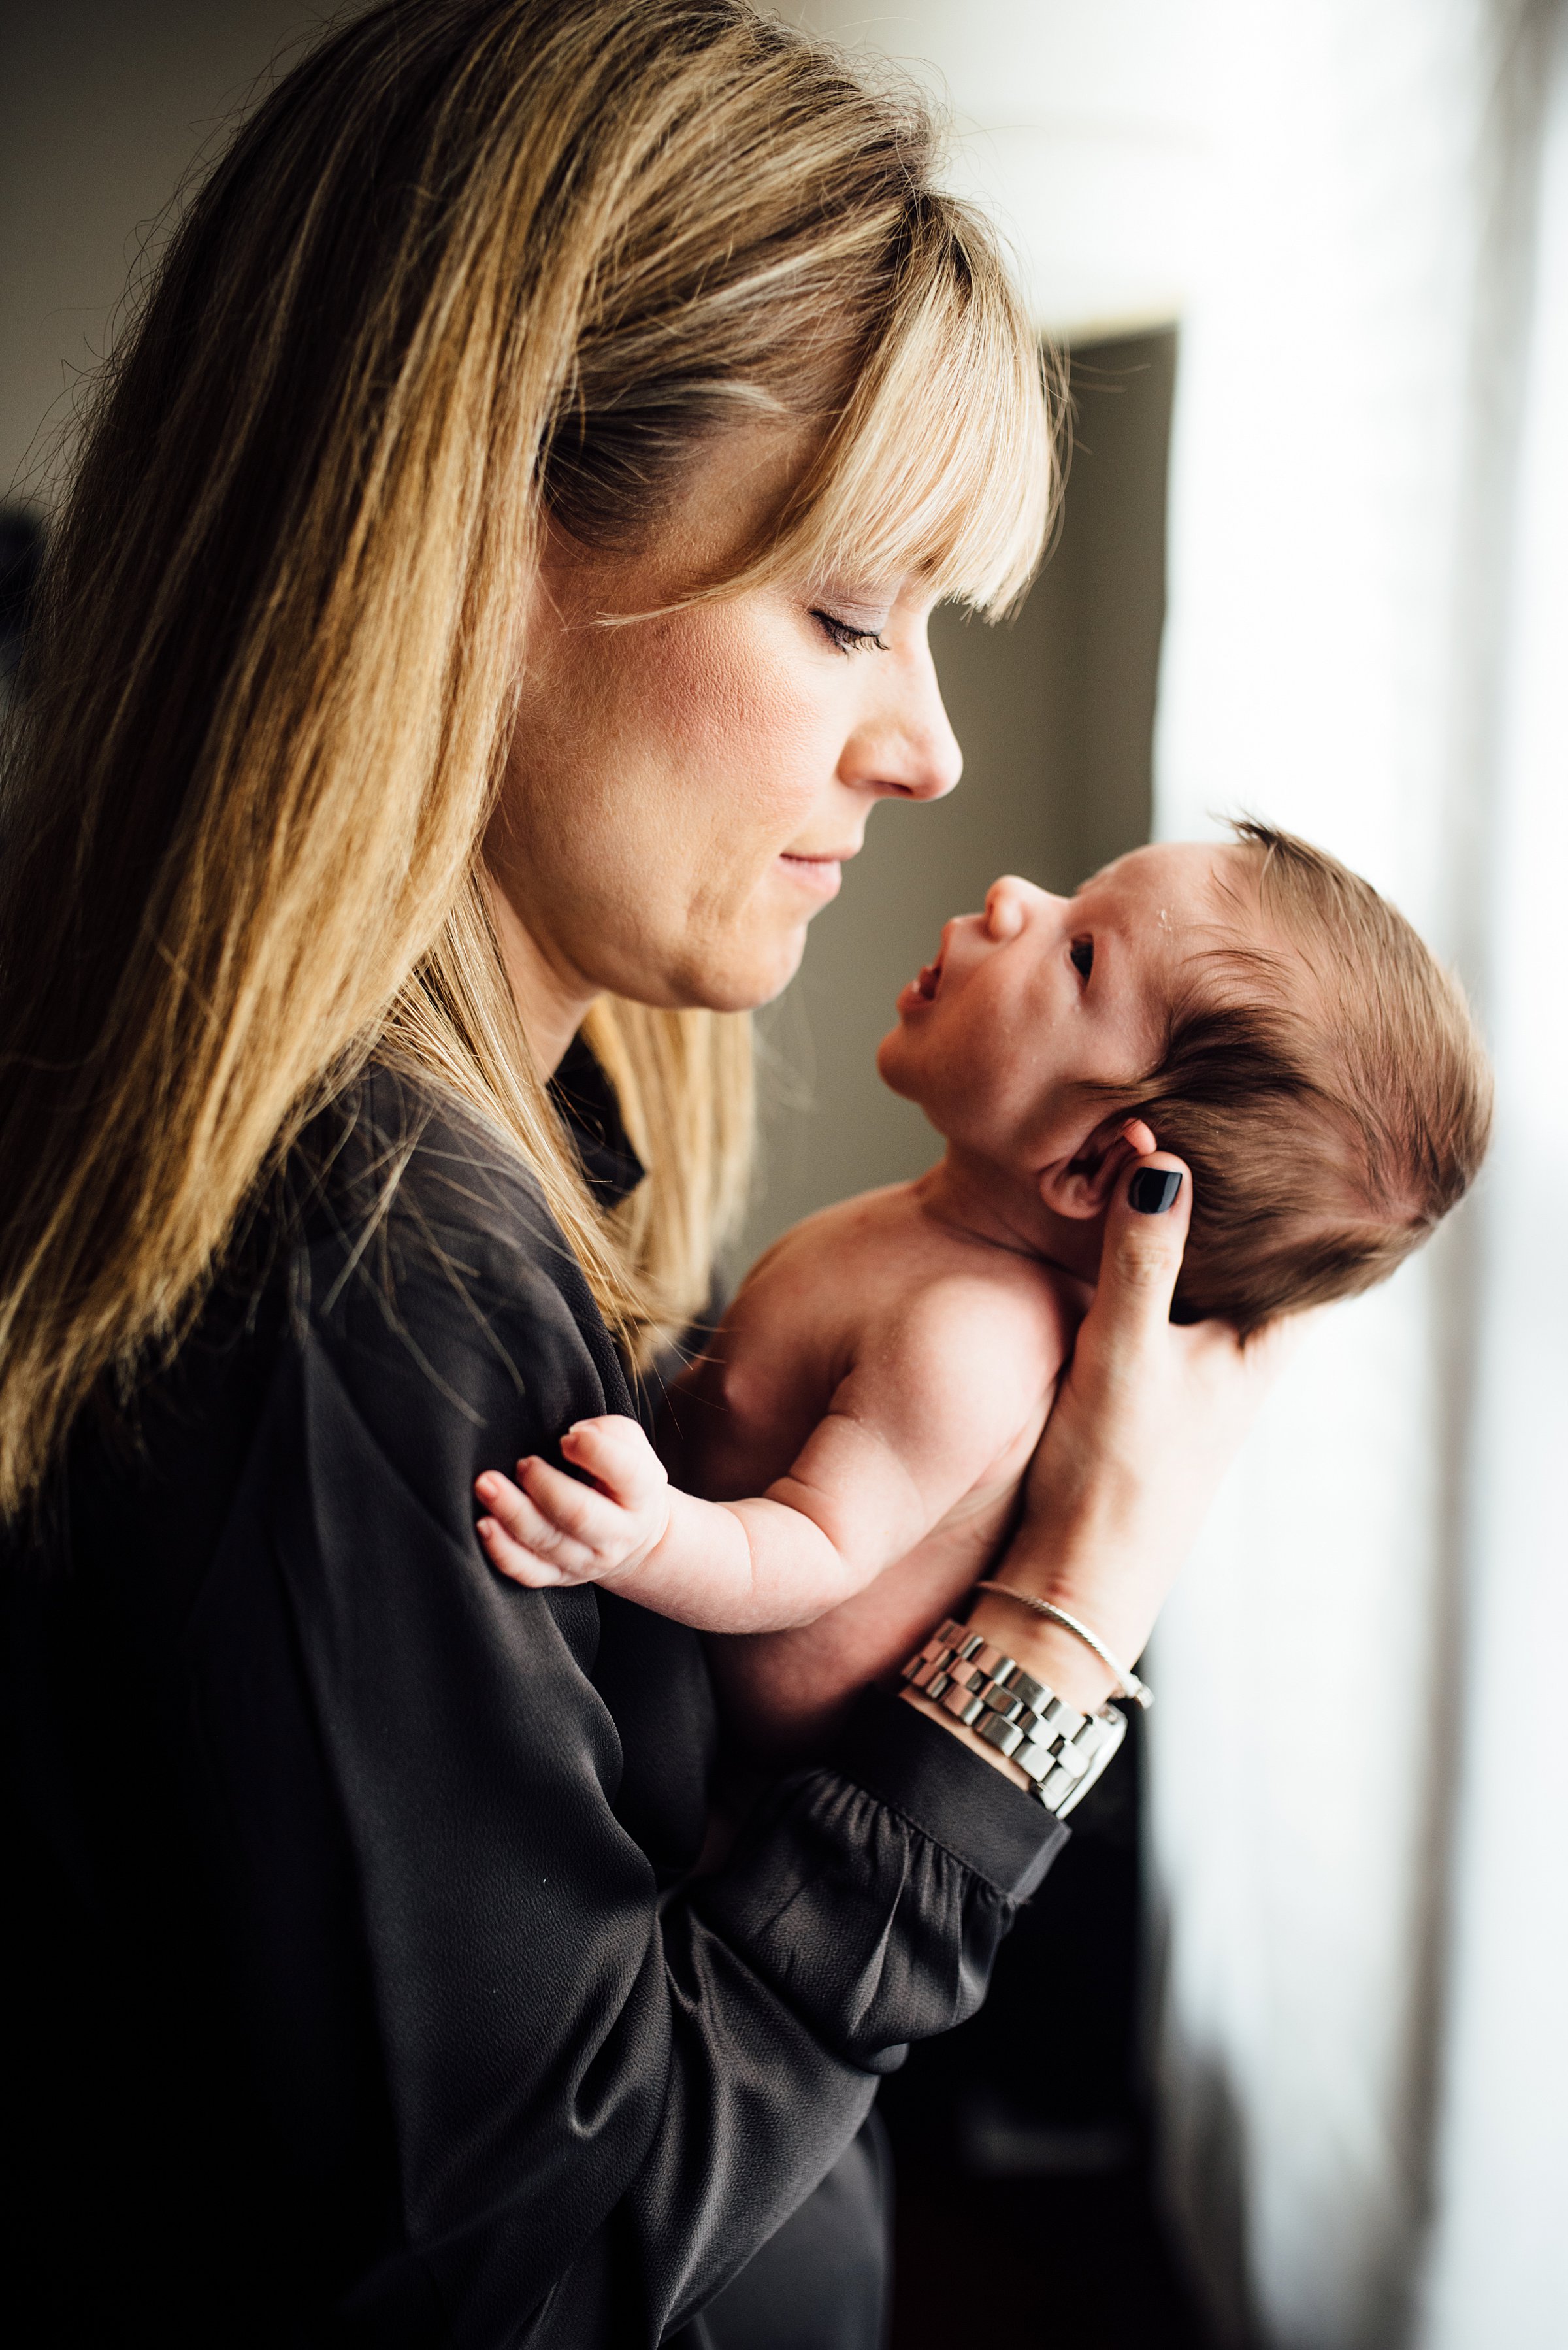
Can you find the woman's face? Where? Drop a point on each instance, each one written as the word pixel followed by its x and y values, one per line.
pixel 681 792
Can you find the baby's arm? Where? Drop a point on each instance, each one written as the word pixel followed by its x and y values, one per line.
pixel 928 1405
pixel 699 1562
pixel 741 1566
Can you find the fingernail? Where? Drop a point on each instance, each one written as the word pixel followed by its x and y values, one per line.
pixel 488 1529
pixel 1154 1188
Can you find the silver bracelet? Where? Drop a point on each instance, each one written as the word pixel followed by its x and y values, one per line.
pixel 1060 1750
pixel 1138 1692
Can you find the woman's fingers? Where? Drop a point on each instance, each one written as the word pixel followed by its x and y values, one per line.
pixel 1146 1234
pixel 1106 1429
pixel 1149 1415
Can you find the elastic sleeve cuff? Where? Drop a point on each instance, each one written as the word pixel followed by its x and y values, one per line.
pixel 946 1791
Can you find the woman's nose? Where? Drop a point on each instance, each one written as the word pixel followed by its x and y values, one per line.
pixel 903 747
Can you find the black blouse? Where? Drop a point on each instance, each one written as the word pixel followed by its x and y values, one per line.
pixel 360 1991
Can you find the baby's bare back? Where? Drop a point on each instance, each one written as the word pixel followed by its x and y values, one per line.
pixel 875 1277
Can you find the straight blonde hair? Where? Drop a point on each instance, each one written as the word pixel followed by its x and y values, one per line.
pixel 473 268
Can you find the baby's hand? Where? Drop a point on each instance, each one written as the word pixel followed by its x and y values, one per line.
pixel 556 1530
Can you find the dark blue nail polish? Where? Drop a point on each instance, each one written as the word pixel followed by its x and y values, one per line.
pixel 1154 1188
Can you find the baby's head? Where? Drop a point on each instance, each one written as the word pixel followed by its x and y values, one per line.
pixel 1273 1020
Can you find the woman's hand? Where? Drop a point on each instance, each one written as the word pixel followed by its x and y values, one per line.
pixel 1148 1416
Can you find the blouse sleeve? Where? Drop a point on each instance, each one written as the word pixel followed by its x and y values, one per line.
pixel 601 2101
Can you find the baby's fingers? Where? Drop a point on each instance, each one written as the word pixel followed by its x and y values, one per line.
pixel 521 1566
pixel 616 1453
pixel 526 1542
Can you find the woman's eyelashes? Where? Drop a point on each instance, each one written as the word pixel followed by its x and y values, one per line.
pixel 846 636
pixel 1082 955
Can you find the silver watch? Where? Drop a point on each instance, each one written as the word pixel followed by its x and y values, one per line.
pixel 1061 1751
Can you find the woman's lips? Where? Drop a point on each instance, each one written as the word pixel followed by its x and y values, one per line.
pixel 821 875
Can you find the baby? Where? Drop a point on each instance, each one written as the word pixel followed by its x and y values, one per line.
pixel 875 1391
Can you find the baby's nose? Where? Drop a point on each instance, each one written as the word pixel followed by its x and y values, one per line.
pixel 1008 903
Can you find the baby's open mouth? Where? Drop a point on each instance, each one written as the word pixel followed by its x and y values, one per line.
pixel 930 979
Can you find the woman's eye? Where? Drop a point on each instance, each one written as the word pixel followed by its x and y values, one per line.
pixel 1082 952
pixel 848 639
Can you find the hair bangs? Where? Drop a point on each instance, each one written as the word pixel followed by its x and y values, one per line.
pixel 945 462
pixel 470 269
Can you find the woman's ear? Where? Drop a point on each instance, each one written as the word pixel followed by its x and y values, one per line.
pixel 1080 1186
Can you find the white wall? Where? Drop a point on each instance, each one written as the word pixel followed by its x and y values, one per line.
pixel 1359 1778
pixel 1081 120
pixel 1080 124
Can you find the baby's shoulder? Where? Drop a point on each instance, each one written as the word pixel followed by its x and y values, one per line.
pixel 993 1297
pixel 877 1273
pixel 869 1220
pixel 837 1266
pixel 964 1361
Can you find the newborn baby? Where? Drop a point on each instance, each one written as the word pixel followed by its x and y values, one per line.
pixel 875 1391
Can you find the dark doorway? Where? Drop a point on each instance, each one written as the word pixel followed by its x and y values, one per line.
pixel 1022 2140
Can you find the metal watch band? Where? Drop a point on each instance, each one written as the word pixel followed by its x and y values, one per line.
pixel 1128 1685
pixel 1061 1751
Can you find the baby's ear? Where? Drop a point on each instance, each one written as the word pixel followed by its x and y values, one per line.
pixel 1081 1185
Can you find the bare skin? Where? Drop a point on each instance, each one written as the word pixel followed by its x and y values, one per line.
pixel 874 1397
pixel 683 790
pixel 680 796
pixel 881 1381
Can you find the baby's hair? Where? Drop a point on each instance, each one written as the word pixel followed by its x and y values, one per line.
pixel 1330 1127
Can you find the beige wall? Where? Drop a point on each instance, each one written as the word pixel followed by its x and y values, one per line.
pixel 103 106
pixel 1056 713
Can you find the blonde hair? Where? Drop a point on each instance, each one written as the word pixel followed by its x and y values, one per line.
pixel 473 265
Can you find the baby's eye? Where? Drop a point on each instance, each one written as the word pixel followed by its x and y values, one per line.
pixel 1082 954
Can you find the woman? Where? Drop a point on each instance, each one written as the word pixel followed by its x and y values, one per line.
pixel 492 599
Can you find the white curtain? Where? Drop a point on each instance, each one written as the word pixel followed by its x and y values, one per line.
pixel 1360 1771
pixel 1499 2264
pixel 1358 211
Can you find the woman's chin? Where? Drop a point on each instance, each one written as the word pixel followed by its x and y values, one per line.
pixel 753 973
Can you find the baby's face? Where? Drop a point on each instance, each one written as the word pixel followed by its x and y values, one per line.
pixel 1037 993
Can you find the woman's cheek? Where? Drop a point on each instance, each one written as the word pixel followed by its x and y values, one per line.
pixel 758 714
pixel 738 763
